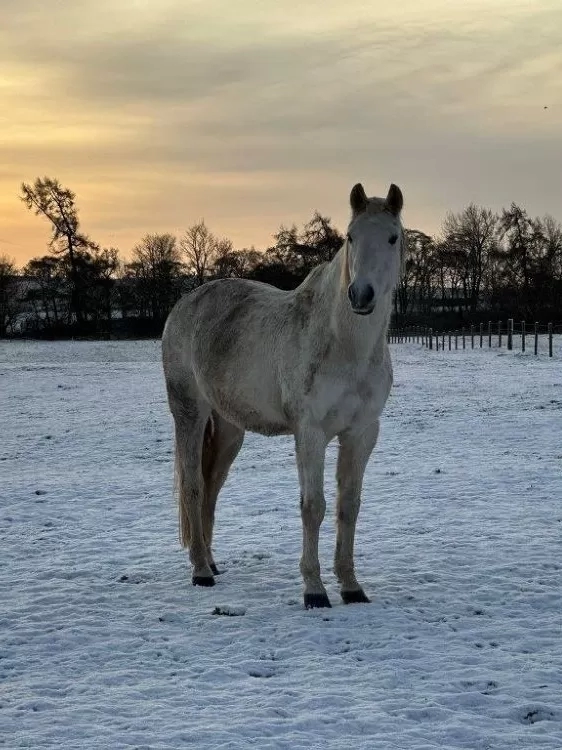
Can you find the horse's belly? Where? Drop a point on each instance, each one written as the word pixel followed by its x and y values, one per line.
pixel 254 412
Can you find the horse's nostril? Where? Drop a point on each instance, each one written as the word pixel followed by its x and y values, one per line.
pixel 368 294
pixel 360 296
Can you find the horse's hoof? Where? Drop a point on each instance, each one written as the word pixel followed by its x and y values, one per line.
pixel 316 601
pixel 355 597
pixel 215 571
pixel 203 581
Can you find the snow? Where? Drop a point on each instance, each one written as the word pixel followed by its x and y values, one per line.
pixel 104 643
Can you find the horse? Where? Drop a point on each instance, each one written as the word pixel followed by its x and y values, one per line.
pixel 312 362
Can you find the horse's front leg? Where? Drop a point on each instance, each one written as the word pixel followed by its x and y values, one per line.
pixel 310 449
pixel 354 451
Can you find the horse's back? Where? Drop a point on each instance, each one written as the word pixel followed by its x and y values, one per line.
pixel 221 338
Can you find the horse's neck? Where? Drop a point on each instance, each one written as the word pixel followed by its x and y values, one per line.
pixel 360 336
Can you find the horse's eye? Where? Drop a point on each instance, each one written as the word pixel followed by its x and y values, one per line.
pixel 349 237
pixel 393 239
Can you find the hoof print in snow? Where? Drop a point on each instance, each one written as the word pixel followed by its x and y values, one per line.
pixel 206 581
pixel 316 601
pixel 537 714
pixel 40 492
pixel 261 556
pixel 133 578
pixel 264 675
pixel 355 597
pixel 229 611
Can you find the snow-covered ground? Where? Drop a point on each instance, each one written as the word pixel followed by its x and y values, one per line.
pixel 104 643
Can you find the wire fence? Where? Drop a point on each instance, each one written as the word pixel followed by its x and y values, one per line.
pixel 535 337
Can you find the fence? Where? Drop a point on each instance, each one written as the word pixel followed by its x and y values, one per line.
pixel 480 337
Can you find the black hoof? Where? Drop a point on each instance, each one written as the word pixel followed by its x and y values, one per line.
pixel 215 571
pixel 203 581
pixel 355 597
pixel 316 601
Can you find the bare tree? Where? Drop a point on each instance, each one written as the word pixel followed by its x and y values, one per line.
pixel 521 240
pixel 415 286
pixel 156 266
pixel 549 232
pixel 199 247
pixel 319 240
pixel 297 253
pixel 470 238
pixel 47 291
pixel 104 265
pixel 10 297
pixel 46 197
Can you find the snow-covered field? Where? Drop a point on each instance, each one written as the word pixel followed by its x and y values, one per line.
pixel 104 643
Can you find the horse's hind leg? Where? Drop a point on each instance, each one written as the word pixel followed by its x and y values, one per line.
pixel 191 417
pixel 220 447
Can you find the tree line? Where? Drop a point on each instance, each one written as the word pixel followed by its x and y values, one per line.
pixel 481 263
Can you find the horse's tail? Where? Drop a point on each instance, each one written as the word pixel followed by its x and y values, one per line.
pixel 181 496
pixel 181 485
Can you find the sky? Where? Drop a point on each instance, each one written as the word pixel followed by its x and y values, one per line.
pixel 254 114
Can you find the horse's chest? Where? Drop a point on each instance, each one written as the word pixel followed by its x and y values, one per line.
pixel 341 402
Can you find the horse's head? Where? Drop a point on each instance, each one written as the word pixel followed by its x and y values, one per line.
pixel 373 248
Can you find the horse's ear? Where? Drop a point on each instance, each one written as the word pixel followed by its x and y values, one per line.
pixel 394 200
pixel 358 199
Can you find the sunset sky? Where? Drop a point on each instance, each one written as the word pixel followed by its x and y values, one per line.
pixel 252 114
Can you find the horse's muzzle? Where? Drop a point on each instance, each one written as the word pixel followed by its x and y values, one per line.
pixel 362 298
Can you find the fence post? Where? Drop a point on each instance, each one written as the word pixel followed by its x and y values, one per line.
pixel 449 340
pixel 510 334
pixel 443 342
pixel 550 339
pixel 463 339
pixel 481 333
pixel 489 334
pixel 536 338
pixel 472 337
pixel 522 335
pixel 499 333
pixel 456 340
pixel 431 338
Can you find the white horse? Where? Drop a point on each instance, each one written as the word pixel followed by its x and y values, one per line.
pixel 313 362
